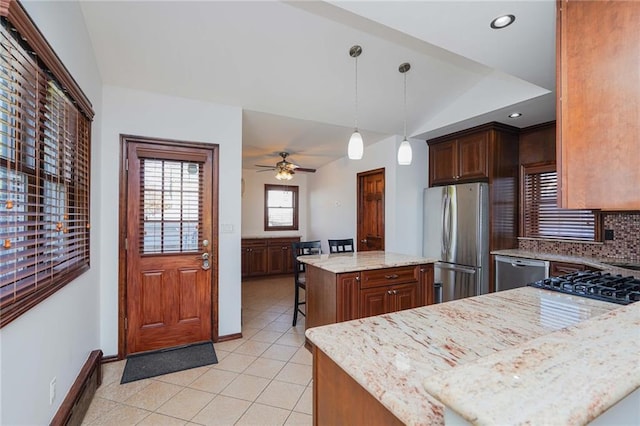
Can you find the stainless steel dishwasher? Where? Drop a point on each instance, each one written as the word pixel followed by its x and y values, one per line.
pixel 512 272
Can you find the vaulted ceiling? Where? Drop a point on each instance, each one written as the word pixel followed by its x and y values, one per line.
pixel 287 65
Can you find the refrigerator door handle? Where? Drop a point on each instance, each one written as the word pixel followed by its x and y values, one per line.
pixel 457 268
pixel 446 223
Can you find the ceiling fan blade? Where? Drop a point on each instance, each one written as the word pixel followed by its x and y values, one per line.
pixel 260 165
pixel 264 170
pixel 302 169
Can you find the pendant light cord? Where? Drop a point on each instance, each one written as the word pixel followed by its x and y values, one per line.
pixel 405 106
pixel 356 93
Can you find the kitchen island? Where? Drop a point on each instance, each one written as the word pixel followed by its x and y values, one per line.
pixel 398 368
pixel 345 286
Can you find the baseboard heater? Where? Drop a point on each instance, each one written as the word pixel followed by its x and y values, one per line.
pixel 77 401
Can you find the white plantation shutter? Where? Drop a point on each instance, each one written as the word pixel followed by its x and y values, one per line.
pixel 541 217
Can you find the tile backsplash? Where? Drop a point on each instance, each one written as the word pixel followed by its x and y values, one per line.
pixel 625 244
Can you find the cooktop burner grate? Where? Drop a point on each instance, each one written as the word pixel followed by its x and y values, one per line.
pixel 595 285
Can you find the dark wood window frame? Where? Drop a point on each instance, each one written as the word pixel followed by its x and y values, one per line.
pixel 539 215
pixel 295 207
pixel 46 144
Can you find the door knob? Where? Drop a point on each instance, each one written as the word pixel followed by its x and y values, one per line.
pixel 364 241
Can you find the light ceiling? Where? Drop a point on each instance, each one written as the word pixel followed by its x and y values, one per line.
pixel 287 65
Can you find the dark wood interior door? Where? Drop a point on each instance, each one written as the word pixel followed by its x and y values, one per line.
pixel 371 210
pixel 169 246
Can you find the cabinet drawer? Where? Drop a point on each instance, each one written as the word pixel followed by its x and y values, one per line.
pixel 254 243
pixel 388 276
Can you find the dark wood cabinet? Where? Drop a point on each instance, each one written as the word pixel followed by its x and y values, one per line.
pixel 487 153
pixel 267 256
pixel 341 297
pixel 562 268
pixel 383 300
pixel 459 160
pixel 598 104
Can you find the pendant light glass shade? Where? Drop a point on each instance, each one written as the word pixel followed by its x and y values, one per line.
pixel 404 151
pixel 355 150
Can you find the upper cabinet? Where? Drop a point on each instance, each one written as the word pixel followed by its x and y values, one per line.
pixel 473 155
pixel 598 112
pixel 463 159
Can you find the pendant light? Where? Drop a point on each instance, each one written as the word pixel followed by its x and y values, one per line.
pixel 356 147
pixel 404 151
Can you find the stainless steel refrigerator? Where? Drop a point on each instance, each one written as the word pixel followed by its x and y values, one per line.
pixel 456 231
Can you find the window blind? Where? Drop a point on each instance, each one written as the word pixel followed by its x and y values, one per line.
pixel 541 217
pixel 44 180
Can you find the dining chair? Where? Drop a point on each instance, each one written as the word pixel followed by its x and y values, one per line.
pixel 300 249
pixel 341 246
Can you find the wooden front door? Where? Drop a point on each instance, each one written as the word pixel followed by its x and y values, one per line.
pixel 371 210
pixel 170 262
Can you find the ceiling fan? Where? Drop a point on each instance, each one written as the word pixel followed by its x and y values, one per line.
pixel 285 169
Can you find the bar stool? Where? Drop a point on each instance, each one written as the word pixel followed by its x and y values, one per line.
pixel 341 246
pixel 300 249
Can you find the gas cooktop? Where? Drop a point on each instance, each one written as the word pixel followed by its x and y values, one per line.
pixel 595 285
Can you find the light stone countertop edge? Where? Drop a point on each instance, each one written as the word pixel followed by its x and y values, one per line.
pixel 569 363
pixel 362 261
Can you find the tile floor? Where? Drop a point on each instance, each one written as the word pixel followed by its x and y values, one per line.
pixel 262 379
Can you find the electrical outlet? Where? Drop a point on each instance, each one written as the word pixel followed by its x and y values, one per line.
pixel 52 391
pixel 608 234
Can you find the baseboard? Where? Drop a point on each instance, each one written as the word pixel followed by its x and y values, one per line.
pixel 110 358
pixel 229 337
pixel 77 401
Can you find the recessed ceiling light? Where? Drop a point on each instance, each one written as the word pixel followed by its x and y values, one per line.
pixel 502 21
pixel 515 115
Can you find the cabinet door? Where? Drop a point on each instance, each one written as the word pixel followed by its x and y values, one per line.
pixel 276 260
pixel 473 157
pixel 598 91
pixel 426 292
pixel 443 163
pixel 374 301
pixel 245 259
pixel 404 297
pixel 258 261
pixel 347 296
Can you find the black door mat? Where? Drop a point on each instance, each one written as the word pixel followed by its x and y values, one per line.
pixel 164 361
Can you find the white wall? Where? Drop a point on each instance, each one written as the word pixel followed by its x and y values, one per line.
pixel 141 113
pixel 253 203
pixel 333 196
pixel 55 338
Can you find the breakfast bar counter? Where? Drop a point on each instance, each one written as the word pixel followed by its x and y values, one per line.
pixel 473 355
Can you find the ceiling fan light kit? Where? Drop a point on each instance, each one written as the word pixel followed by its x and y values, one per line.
pixel 404 151
pixel 285 169
pixel 355 149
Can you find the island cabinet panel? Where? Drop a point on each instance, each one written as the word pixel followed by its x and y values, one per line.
pixel 598 104
pixel 336 297
pixel 340 400
pixel 267 256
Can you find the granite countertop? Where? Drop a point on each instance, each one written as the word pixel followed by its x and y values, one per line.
pixel 362 261
pixel 568 363
pixel 598 263
pixel 392 356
